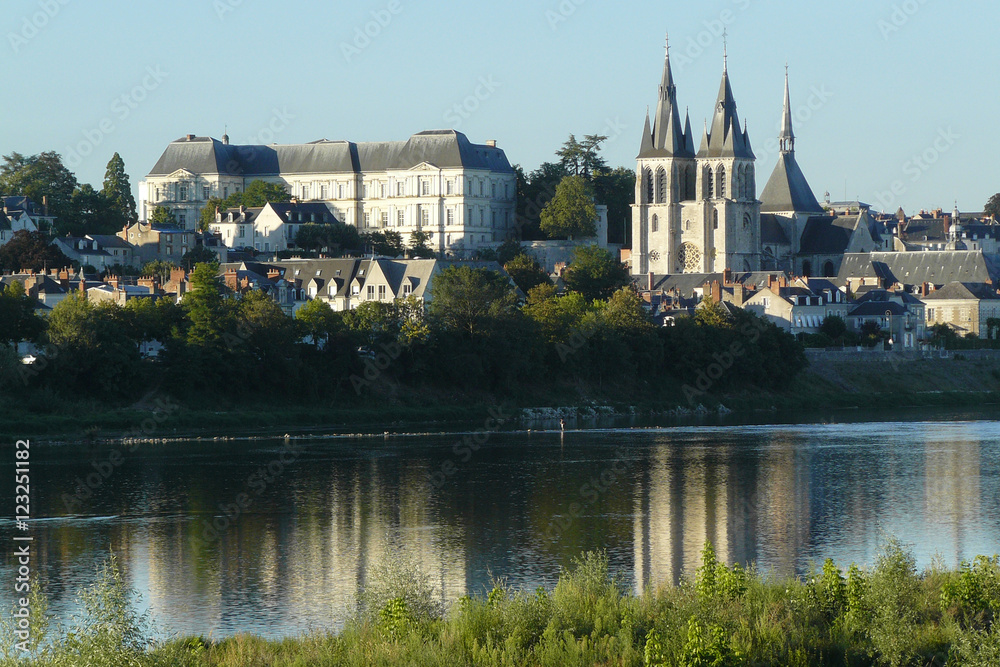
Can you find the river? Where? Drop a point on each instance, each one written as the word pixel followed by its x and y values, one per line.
pixel 275 537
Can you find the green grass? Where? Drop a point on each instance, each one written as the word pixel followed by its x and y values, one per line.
pixel 890 614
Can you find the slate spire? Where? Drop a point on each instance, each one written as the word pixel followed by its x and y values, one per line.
pixel 668 134
pixel 786 140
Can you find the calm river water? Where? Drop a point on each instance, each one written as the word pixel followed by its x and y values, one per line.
pixel 263 537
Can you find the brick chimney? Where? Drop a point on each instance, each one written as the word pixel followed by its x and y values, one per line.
pixel 273 274
pixel 739 294
pixel 716 291
pixel 64 279
pixel 925 289
pixel 113 281
pixel 947 225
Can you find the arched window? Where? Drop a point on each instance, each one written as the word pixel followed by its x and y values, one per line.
pixel 751 183
pixel 708 179
pixel 722 183
pixel 661 186
pixel 828 269
pixel 647 185
pixel 740 185
pixel 715 219
pixel 746 220
pixel 687 225
pixel 656 224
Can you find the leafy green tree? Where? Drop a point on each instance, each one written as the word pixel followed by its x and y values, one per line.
pixel 207 216
pixel 624 312
pixel 534 192
pixel 992 207
pixel 595 273
pixel 92 213
pixel 616 190
pixel 18 321
pixel 582 158
pixel 385 244
pixel 205 308
pixel 420 245
pixel 327 237
pixel 153 319
pixel 557 317
pixel 159 268
pixel 163 217
pixel 834 327
pixel 572 212
pixel 375 322
pixel 198 255
pixel 31 250
pixel 319 321
pixel 526 272
pixel 257 194
pixel 711 313
pixel 38 176
pixel 468 300
pixel 118 191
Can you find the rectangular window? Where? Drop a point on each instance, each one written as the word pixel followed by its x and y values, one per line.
pixel 400 188
pixel 184 193
pixel 451 217
pixel 364 190
pixel 381 190
pixel 470 217
pixel 206 191
pixel 381 292
pixel 305 191
pixel 368 219
pixel 243 231
pixel 450 187
pixel 225 192
pixel 371 291
pixel 384 220
pixel 407 289
pixel 182 219
pixel 400 218
pixel 322 192
pixel 425 216
pixel 425 186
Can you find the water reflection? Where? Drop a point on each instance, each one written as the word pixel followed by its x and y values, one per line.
pixel 215 551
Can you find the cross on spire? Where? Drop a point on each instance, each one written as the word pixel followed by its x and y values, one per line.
pixel 725 50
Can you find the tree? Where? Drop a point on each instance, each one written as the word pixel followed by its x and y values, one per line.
pixel 318 321
pixel 582 158
pixel 118 191
pixel 198 255
pixel 92 213
pixel 420 245
pixel 992 208
pixel 526 272
pixel 329 238
pixel 386 244
pixel 616 190
pixel 163 217
pixel 571 213
pixel 710 313
pixel 468 300
pixel 18 321
pixel 259 193
pixel 534 192
pixel 31 250
pixel 596 273
pixel 207 216
pixel 205 308
pixel 37 177
pixel 834 327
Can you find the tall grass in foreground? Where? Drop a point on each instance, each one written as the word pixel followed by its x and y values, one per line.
pixel 886 615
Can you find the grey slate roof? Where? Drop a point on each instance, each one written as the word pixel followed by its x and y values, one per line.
pixel 916 268
pixel 442 148
pixel 726 139
pixel 787 189
pixel 878 308
pixel 827 235
pixel 958 290
pixel 666 137
pixel 771 231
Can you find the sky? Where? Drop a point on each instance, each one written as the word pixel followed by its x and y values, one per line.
pixel 893 99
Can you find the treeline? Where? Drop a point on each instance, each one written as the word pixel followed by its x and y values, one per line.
pixel 477 337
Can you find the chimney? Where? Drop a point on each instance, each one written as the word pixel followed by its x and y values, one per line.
pixel 113 281
pixel 190 137
pixel 45 205
pixel 716 291
pixel 924 289
pixel 782 280
pixel 772 283
pixel 651 280
pixel 947 225
pixel 739 294
pixel 491 143
pixel 273 274
pixel 64 279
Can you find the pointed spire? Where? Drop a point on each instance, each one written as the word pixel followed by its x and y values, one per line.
pixel 786 139
pixel 647 138
pixel 725 50
pixel 726 138
pixel 667 123
pixel 688 134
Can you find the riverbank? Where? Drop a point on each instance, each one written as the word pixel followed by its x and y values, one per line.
pixel 890 614
pixel 831 382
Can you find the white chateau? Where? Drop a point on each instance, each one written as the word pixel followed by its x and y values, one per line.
pixel 695 212
pixel 462 194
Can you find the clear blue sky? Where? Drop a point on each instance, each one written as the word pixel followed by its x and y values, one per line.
pixel 888 80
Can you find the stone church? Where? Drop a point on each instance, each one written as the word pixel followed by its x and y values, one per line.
pixel 698 211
